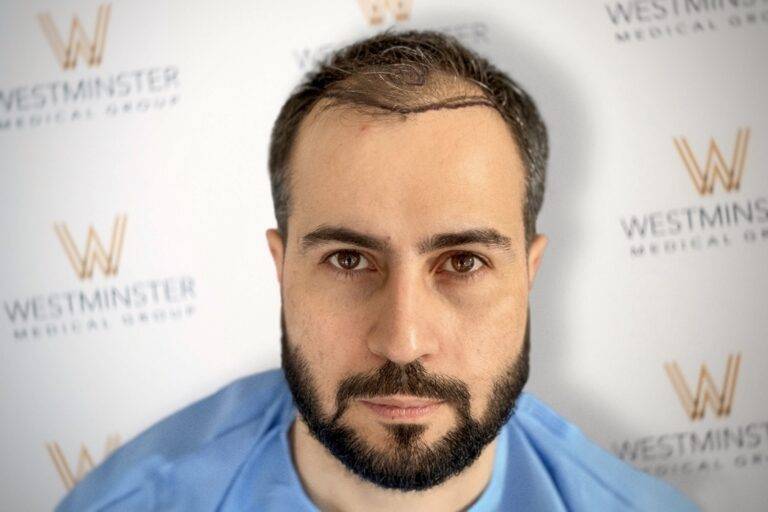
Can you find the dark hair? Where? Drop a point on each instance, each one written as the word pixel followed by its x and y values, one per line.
pixel 405 73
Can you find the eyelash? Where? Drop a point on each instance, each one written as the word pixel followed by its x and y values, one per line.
pixel 354 274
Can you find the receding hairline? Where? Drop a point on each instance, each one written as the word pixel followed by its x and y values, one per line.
pixel 444 92
pixel 438 89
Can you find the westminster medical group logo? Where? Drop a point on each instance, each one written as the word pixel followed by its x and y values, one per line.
pixel 380 15
pixel 94 252
pixel 78 44
pixel 637 21
pixel 705 394
pixel 376 12
pixel 102 301
pixel 715 167
pixel 711 443
pixel 727 213
pixel 71 471
pixel 83 85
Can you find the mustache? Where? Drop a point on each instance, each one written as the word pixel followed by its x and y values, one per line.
pixel 410 379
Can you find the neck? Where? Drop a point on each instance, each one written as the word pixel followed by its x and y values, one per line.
pixel 332 487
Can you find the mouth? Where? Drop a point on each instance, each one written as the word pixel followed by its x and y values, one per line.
pixel 401 407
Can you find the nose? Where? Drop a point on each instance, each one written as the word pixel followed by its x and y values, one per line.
pixel 403 330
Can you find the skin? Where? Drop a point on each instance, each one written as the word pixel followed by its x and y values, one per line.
pixel 401 181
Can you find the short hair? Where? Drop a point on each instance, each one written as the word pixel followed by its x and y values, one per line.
pixel 401 73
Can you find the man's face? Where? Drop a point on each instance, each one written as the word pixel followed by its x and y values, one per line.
pixel 404 283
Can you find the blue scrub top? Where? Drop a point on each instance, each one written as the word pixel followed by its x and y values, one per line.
pixel 230 452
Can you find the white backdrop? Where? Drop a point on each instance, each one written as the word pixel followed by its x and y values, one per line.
pixel 144 164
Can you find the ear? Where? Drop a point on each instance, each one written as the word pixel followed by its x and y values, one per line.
pixel 277 248
pixel 535 253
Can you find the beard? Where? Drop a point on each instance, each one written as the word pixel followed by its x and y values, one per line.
pixel 410 464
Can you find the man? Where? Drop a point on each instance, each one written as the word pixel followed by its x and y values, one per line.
pixel 407 174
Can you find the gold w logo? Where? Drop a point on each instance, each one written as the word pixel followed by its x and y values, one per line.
pixel 84 461
pixel 715 166
pixel 78 42
pixel 94 250
pixel 375 10
pixel 720 402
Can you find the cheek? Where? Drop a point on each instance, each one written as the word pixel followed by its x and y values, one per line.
pixel 489 323
pixel 326 309
pixel 486 340
pixel 328 336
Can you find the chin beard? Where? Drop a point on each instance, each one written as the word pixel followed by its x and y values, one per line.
pixel 410 464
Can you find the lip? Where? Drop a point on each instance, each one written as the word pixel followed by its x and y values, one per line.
pixel 401 407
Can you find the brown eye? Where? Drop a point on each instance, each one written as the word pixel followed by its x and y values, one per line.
pixel 348 260
pixel 463 263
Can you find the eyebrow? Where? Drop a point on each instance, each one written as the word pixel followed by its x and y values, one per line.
pixel 487 236
pixel 325 234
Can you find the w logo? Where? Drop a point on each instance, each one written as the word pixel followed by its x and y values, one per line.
pixel 78 44
pixel 715 166
pixel 375 11
pixel 720 401
pixel 94 252
pixel 84 461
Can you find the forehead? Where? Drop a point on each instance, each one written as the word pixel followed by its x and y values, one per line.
pixel 406 177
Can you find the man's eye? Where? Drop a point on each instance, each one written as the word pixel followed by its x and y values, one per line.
pixel 349 261
pixel 463 264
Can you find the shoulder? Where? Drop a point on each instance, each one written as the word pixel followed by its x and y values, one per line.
pixel 586 476
pixel 204 441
